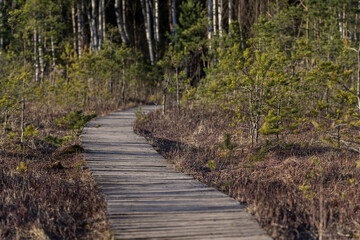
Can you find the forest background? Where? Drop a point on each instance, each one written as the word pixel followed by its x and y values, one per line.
pixel 283 74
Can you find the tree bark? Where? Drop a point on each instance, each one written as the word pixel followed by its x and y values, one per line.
pixel 41 56
pixel 93 25
pixel 100 24
pixel 79 28
pixel 173 16
pixel 220 8
pixel 240 24
pixel 210 20
pixel 157 34
pixel 177 89
pixel 123 5
pixel 230 17
pixel 214 17
pixel 87 8
pixel 146 13
pixel 344 22
pixel 36 59
pixel 103 19
pixel 120 23
pixel 73 19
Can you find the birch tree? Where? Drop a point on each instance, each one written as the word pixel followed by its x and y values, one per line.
pixel 230 16
pixel 73 20
pixel 100 25
pixel 41 55
pixel 157 31
pixel 210 20
pixel 147 20
pixel 95 38
pixel 214 17
pixel 120 23
pixel 79 28
pixel 220 10
pixel 123 5
pixel 173 16
pixel 36 59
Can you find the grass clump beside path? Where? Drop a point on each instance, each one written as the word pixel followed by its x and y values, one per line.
pixel 298 188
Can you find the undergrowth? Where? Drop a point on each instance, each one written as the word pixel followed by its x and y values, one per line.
pixel 46 188
pixel 298 188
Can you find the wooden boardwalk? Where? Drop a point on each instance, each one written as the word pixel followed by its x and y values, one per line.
pixel 147 198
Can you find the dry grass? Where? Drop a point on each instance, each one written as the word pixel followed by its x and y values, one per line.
pixel 53 195
pixel 299 190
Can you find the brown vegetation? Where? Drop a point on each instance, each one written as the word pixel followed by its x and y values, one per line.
pixel 298 188
pixel 47 192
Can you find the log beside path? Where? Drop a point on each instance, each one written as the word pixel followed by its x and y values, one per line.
pixel 147 198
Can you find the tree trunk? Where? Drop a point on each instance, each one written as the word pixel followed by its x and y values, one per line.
pixel 123 5
pixel 146 13
pixel 120 22
pixel 170 12
pixel 79 28
pixel 103 19
pixel 157 34
pixel 344 22
pixel 220 8
pixel 22 123
pixel 230 16
pixel 87 8
pixel 214 17
pixel 240 25
pixel 123 83
pixel 36 60
pixel 177 89
pixel 73 18
pixel 210 20
pixel 52 43
pixel 93 25
pixel 100 23
pixel 41 56
pixel 173 16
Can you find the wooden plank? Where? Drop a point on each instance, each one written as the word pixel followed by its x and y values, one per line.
pixel 148 199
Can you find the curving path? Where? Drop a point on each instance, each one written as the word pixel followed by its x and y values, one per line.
pixel 147 198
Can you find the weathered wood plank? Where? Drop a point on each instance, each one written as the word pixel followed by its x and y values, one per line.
pixel 148 199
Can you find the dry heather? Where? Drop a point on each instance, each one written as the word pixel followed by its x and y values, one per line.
pixel 299 189
pixel 47 192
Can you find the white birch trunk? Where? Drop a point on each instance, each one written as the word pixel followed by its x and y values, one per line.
pixel 100 24
pixel 36 62
pixel 123 5
pixel 157 34
pixel 341 24
pixel 220 8
pixel 93 25
pixel 103 19
pixel 146 13
pixel 92 47
pixel 230 16
pixel 173 16
pixel 120 23
pixel 210 20
pixel 41 56
pixel 73 17
pixel 214 17
pixel 79 28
